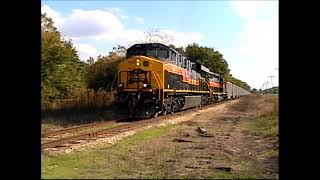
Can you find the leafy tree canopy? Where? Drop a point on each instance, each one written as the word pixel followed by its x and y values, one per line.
pixel 61 70
pixel 102 73
pixel 212 59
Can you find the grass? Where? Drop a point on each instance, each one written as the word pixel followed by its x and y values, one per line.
pixel 71 119
pixel 51 124
pixel 143 155
pixel 270 154
pixel 267 125
pixel 111 162
pixel 47 126
pixel 83 99
pixel 87 106
pixel 235 175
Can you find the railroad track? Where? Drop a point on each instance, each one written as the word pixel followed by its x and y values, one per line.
pixel 76 129
pixel 90 135
pixel 106 132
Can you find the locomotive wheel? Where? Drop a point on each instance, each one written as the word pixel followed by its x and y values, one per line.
pixel 155 115
pixel 171 112
pixel 164 112
pixel 131 106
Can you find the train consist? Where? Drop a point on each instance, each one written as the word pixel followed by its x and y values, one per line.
pixel 156 79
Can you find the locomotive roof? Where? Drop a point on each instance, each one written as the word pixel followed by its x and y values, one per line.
pixel 146 44
pixel 154 45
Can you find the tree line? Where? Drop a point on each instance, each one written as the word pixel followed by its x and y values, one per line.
pixel 212 59
pixel 64 75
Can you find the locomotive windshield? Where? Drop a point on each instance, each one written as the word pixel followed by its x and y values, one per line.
pixel 155 50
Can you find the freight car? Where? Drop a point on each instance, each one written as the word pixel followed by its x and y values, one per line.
pixel 156 79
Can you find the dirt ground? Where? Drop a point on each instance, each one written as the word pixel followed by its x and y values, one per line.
pixel 220 144
pixel 227 145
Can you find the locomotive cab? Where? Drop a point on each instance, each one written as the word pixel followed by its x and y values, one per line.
pixel 152 50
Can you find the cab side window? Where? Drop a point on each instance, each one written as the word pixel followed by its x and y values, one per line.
pixel 173 56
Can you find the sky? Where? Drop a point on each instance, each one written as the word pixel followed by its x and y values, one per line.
pixel 245 32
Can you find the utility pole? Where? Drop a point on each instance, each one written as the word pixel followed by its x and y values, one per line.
pixel 267 83
pixel 271 80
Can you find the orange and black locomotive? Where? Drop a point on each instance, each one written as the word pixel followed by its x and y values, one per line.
pixel 156 79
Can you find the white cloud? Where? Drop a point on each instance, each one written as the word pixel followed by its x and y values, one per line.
pixel 87 23
pixel 247 9
pixel 117 12
pixel 259 39
pixel 91 23
pixel 140 20
pixel 131 36
pixel 183 38
pixel 255 54
pixel 124 17
pixel 114 9
pixel 86 51
pixel 103 25
pixel 55 15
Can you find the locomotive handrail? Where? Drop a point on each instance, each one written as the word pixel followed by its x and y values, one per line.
pixel 158 82
pixel 112 85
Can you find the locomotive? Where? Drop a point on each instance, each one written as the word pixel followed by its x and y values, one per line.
pixel 156 79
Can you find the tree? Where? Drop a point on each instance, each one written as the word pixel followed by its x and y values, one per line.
pixel 101 73
pixel 214 60
pixel 208 57
pixel 155 35
pixel 239 83
pixel 90 60
pixel 61 70
pixel 179 49
pixel 118 52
